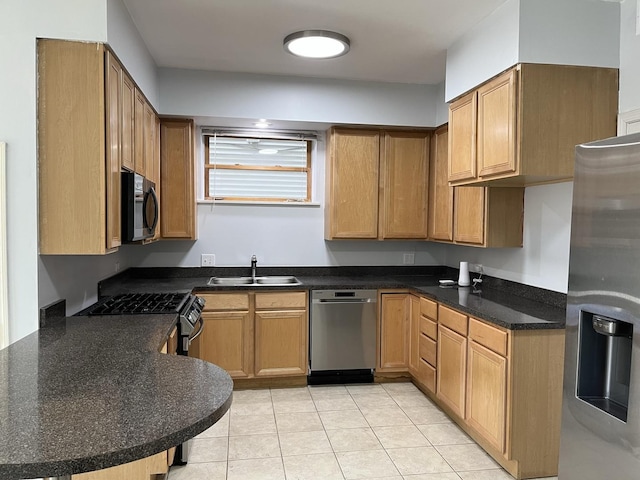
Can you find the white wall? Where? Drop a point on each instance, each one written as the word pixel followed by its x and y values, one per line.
pixel 544 259
pixel 629 58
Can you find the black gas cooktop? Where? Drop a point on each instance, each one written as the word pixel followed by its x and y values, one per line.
pixel 139 303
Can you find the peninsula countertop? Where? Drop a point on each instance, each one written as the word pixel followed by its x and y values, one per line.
pixel 88 393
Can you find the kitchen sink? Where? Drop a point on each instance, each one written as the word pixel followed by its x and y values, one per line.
pixel 267 281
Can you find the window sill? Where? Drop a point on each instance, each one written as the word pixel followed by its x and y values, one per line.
pixel 269 204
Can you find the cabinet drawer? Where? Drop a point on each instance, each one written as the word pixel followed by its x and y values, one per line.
pixel 429 328
pixel 429 308
pixel 281 300
pixel 456 321
pixel 427 375
pixel 488 336
pixel 428 350
pixel 225 301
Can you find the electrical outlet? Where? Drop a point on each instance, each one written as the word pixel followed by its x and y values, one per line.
pixel 408 258
pixel 207 260
pixel 117 267
pixel 479 268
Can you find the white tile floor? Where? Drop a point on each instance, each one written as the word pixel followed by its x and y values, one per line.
pixel 379 431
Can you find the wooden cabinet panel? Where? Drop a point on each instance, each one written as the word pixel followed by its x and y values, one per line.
pixel 440 193
pixel 403 196
pixel 488 336
pixel 281 300
pixel 462 138
pixel 486 394
pixel 139 161
pixel 428 350
pixel 414 334
pixel 497 125
pixel 452 319
pixel 451 372
pixel 281 343
pixel 114 75
pixel 225 301
pixel 429 308
pixel 429 328
pixel 427 375
pixel 128 121
pixel 394 322
pixel 226 341
pixel 469 215
pixel 178 200
pixel 138 470
pixel 149 144
pixel 352 184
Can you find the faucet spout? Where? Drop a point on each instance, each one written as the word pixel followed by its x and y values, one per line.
pixel 254 265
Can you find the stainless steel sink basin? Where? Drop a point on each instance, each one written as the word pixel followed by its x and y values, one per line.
pixel 266 281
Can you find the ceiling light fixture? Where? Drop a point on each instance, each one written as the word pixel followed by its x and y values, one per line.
pixel 262 123
pixel 316 44
pixel 268 151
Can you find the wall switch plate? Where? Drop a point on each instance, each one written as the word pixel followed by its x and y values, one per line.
pixel 408 258
pixel 207 260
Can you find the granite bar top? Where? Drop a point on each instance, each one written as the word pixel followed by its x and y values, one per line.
pixel 86 393
pixel 509 305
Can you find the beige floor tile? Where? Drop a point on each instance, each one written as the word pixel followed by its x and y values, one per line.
pixel 322 391
pixel 399 387
pixel 336 402
pixel 444 434
pixel 467 457
pixel 256 469
pixel 208 450
pixel 254 446
pixel 497 474
pixel 385 417
pixel 353 440
pixel 373 400
pixel 199 471
pixel 248 396
pixel 294 406
pixel 251 425
pixel 366 464
pixel 365 388
pixel 418 460
pixel 401 436
pixel 252 408
pixel 412 400
pixel 343 419
pixel 433 476
pixel 322 466
pixel 426 415
pixel 290 394
pixel 298 422
pixel 304 443
pixel 218 429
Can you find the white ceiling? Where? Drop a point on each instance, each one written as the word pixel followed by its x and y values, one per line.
pixel 401 41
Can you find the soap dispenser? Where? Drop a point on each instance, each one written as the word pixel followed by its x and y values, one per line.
pixel 463 278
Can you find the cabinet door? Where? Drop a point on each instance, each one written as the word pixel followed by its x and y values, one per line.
pixel 469 215
pixel 462 138
pixel 226 340
pixel 281 343
pixel 137 470
pixel 487 393
pixel 140 164
pixel 414 335
pixel 394 323
pixel 149 141
pixel 352 184
pixel 440 193
pixel 178 201
pixel 405 171
pixel 128 116
pixel 452 362
pixel 113 185
pixel 156 162
pixel 497 126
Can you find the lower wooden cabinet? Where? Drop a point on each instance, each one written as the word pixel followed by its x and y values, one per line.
pixel 414 335
pixel 452 365
pixel 255 334
pixel 394 332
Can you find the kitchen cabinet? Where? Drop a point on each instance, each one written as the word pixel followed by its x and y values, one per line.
pixel 79 91
pixel 177 177
pixel 520 128
pixel 394 332
pixel 452 359
pixel 414 334
pixel 128 104
pixel 427 337
pixel 255 334
pixel 376 184
pixel 140 160
pixel 475 216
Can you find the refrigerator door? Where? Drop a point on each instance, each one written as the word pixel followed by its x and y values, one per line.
pixel 600 435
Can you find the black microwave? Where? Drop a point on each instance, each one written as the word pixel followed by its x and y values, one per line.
pixel 139 207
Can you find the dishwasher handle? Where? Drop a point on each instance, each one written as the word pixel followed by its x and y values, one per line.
pixel 344 300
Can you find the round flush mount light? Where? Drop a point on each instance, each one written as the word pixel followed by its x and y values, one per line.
pixel 262 123
pixel 316 44
pixel 268 151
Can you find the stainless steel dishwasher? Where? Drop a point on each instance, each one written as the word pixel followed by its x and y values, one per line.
pixel 343 336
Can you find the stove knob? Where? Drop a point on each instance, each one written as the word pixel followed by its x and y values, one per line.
pixel 200 301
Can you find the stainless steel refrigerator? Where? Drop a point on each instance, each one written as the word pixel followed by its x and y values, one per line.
pixel 600 436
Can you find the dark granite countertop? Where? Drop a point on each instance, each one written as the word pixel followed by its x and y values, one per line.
pixel 86 393
pixel 509 305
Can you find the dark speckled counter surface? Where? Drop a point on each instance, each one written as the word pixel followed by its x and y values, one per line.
pixel 86 393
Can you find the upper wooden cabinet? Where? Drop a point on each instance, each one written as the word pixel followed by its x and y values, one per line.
pixel 440 193
pixel 128 121
pixel 376 184
pixel 521 127
pixel 79 149
pixel 177 177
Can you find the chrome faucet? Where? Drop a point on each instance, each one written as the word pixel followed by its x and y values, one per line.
pixel 254 264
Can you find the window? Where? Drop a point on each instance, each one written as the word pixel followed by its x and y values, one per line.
pixel 257 169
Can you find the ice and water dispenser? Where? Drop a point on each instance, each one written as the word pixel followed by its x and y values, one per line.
pixel 604 363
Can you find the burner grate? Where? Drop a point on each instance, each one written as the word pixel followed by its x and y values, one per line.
pixel 139 303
